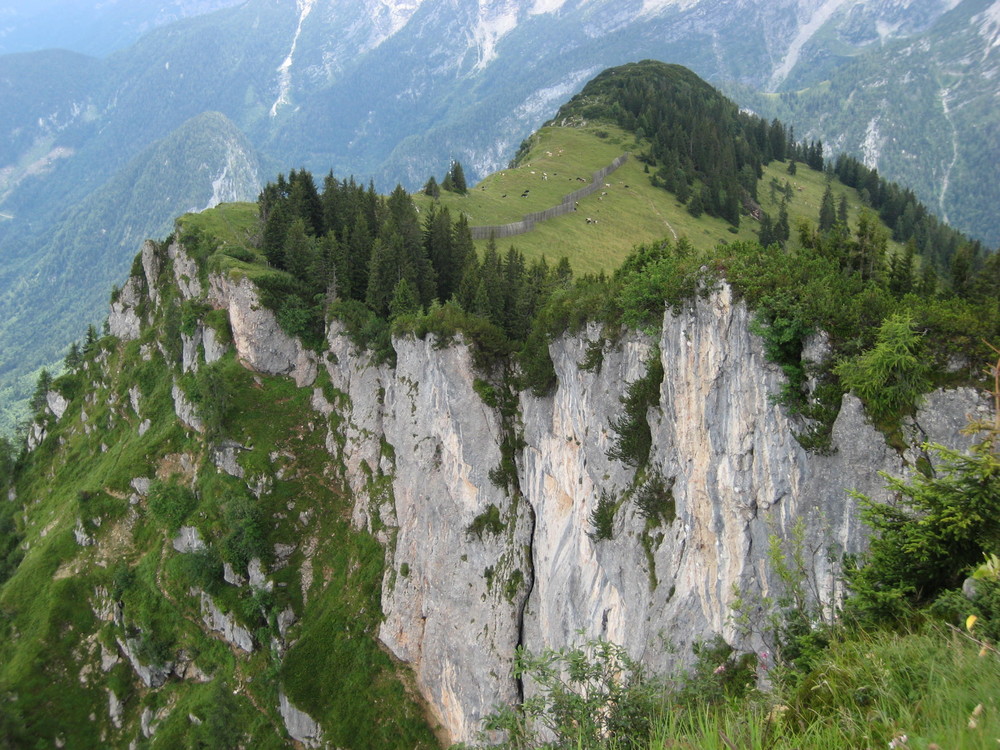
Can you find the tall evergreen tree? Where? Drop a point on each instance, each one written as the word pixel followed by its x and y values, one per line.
pixel 359 253
pixel 298 250
pixel 842 210
pixel 827 211
pixel 404 300
pixel 458 178
pixel 42 387
pixel 384 273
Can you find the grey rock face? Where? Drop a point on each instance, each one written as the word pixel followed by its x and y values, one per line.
pixel 737 476
pixel 57 403
pixel 224 457
pixel 224 624
pixel 300 725
pixel 188 540
pixel 152 676
pixel 151 267
pixel 189 350
pixel 452 599
pixel 259 340
pixel 123 320
pixel 214 346
pixel 185 271
pixel 185 410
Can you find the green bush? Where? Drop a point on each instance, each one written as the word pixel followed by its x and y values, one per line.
pixel 602 518
pixel 892 376
pixel 588 696
pixel 487 522
pixel 246 537
pixel 634 439
pixel 654 499
pixel 170 503
pixel 929 543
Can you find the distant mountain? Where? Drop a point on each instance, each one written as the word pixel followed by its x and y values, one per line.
pixel 394 91
pixel 921 109
pixel 93 28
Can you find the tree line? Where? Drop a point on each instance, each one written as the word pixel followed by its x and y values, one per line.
pixel 345 244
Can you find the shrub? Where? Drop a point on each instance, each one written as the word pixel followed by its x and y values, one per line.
pixel 602 518
pixel 587 696
pixel 246 538
pixel 632 428
pixel 488 522
pixel 170 503
pixel 891 376
pixel 655 500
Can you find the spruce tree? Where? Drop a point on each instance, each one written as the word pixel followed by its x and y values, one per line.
pixel 73 357
pixel 359 253
pixel 842 210
pixel 827 211
pixel 458 179
pixel 298 250
pixel 384 273
pixel 40 398
pixel 404 300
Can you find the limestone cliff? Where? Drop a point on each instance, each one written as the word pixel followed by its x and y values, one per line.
pixel 482 556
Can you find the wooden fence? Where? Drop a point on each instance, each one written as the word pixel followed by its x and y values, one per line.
pixel 528 221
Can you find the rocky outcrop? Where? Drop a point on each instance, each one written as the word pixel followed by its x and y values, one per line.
pixel 300 725
pixel 419 447
pixel 224 624
pixel 185 271
pixel 123 319
pixel 185 410
pixel 260 343
pixel 476 569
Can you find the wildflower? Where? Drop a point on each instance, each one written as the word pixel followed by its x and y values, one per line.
pixel 762 660
pixel 719 669
pixel 899 740
pixel 970 622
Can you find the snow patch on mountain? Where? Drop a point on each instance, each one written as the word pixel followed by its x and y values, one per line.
pixel 493 24
pixel 989 25
pixel 285 69
pixel 871 147
pixel 819 17
pixel 652 7
pixel 546 6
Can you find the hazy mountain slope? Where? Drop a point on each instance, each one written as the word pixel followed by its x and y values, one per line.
pixel 89 26
pixel 204 162
pixel 922 110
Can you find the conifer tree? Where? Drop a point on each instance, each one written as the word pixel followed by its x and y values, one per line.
pixel 358 252
pixel 781 229
pixel 275 228
pixel 765 234
pixel 73 357
pixel 901 270
pixel 842 210
pixel 384 273
pixel 458 178
pixel 298 252
pixel 305 202
pixel 827 211
pixel 404 300
pixel 42 388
